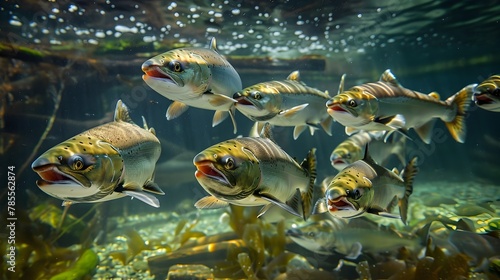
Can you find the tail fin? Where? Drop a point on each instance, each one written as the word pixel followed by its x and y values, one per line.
pixel 309 164
pixel 462 101
pixel 408 176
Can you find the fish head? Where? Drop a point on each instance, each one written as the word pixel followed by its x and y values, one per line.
pixel 318 237
pixel 177 74
pixel 79 167
pixel 353 108
pixel 342 156
pixel 349 194
pixel 487 94
pixel 228 170
pixel 258 101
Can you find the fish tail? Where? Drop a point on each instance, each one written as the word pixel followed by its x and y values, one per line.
pixel 309 164
pixel 408 176
pixel 462 101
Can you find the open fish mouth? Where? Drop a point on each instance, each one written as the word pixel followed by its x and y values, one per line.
pixel 340 204
pixel 338 161
pixel 483 99
pixel 154 71
pixel 336 108
pixel 207 169
pixel 245 101
pixel 51 175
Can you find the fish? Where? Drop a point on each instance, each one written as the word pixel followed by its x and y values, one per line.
pixel 366 187
pixel 196 77
pixel 487 94
pixel 387 106
pixel 348 238
pixel 110 161
pixel 255 171
pixel 288 102
pixel 351 149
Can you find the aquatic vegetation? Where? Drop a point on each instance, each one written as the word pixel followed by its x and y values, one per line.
pixel 46 247
pixel 83 267
pixel 255 249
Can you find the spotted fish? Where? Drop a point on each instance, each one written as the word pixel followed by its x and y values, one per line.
pixel 285 103
pixel 197 77
pixel 106 162
pixel 366 187
pixel 255 171
pixel 386 105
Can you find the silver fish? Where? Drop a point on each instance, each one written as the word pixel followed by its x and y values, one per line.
pixel 349 238
pixel 106 162
pixel 386 105
pixel 197 77
pixel 285 103
pixel 352 149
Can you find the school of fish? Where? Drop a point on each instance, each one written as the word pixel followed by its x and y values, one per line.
pixel 119 158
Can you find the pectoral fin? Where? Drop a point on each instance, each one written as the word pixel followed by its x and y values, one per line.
pixel 354 251
pixel 291 206
pixel 210 202
pixel 217 100
pixel 326 124
pixel 297 131
pixel 350 130
pixel 395 122
pixel 152 187
pixel 176 109
pixel 320 206
pixel 294 110
pixel 381 212
pixel 144 197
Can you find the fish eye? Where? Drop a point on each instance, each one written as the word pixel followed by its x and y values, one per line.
pixel 311 234
pixel 356 194
pixel 495 92
pixel 175 66
pixel 256 95
pixel 347 156
pixel 76 162
pixel 352 103
pixel 229 163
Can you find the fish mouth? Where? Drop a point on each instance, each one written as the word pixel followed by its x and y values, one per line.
pixel 340 204
pixel 338 161
pixel 207 169
pixel 482 99
pixel 155 72
pixel 245 101
pixel 336 108
pixel 51 175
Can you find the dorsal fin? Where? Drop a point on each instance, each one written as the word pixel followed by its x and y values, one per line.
pixel 294 76
pixel 341 85
pixel 367 158
pixel 389 78
pixel 435 95
pixel 213 45
pixel 121 113
pixel 266 132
